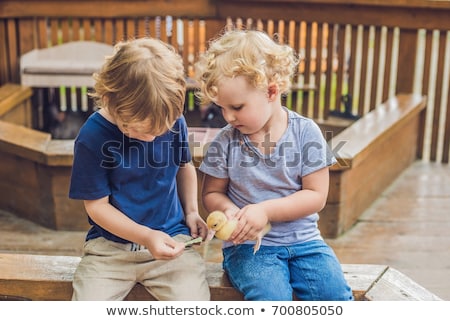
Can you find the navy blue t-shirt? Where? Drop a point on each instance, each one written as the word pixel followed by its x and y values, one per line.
pixel 139 177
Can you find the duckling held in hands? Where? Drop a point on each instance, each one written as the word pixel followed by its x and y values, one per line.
pixel 220 225
pixel 222 228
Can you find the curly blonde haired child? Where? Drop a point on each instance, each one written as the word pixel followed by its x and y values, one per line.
pixel 269 164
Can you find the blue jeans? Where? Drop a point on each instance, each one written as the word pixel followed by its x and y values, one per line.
pixel 310 271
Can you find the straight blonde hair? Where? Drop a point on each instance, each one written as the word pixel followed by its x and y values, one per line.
pixel 143 80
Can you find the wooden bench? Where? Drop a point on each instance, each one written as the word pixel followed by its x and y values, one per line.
pixel 41 277
pixel 371 153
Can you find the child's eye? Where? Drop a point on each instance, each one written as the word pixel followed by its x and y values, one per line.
pixel 237 107
pixel 214 105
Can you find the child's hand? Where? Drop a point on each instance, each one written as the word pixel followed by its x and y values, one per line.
pixel 162 246
pixel 252 221
pixel 196 225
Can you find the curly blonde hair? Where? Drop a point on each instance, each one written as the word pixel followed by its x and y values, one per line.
pixel 143 79
pixel 248 53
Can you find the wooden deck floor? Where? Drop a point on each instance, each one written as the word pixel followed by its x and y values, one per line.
pixel 407 228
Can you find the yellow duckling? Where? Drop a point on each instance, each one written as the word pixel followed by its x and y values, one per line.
pixel 222 228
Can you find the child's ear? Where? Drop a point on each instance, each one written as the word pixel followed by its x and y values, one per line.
pixel 272 91
pixel 105 100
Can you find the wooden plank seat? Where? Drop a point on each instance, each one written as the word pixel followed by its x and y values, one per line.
pixel 44 277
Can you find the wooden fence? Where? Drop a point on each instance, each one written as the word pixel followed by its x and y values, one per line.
pixel 355 54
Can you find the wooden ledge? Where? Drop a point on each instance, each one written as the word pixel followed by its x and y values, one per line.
pixel 370 154
pixel 353 143
pixel 35 145
pixel 38 146
pixel 12 95
pixel 23 141
pixel 42 277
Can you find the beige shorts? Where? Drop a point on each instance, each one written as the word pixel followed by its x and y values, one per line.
pixel 109 270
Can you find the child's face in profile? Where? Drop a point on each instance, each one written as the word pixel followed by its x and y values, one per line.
pixel 243 106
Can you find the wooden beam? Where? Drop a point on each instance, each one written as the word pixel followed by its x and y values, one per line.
pixel 178 8
pixel 397 14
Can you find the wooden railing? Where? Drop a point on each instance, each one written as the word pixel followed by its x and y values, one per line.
pixel 355 54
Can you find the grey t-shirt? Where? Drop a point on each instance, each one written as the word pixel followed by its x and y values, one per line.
pixel 255 177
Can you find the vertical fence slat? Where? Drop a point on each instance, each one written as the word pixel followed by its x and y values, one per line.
pixel 170 30
pixel 108 31
pixel 87 29
pixel 214 28
pixel 352 62
pixel 297 99
pixel 375 67
pixel 363 73
pixel 119 33
pixel 181 34
pixel 201 37
pixel 142 30
pixel 437 98
pixel 341 63
pixel 329 69
pixel 175 33
pixel 4 65
pixel 318 112
pixel 196 39
pixel 76 93
pixel 75 29
pixel 388 62
pixel 151 27
pixel 98 30
pixel 27 41
pixel 280 31
pixel 446 140
pixel 65 31
pixel 292 40
pixel 425 87
pixel 270 27
pixel 131 28
pixel 13 49
pixel 307 70
pixel 406 60
pixel 41 32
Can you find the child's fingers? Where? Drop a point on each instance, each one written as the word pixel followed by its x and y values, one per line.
pixel 241 232
pixel 237 231
pixel 172 249
pixel 178 249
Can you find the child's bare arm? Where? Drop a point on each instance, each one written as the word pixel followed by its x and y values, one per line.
pixel 187 190
pixel 214 196
pixel 160 244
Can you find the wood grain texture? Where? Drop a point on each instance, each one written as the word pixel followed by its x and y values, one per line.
pixel 41 277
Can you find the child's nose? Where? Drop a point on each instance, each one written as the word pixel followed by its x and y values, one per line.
pixel 229 116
